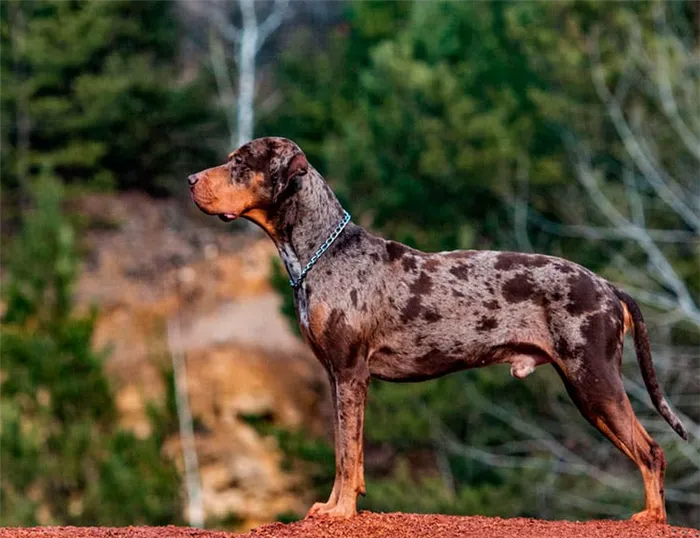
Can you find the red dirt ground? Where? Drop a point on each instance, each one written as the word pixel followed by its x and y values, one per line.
pixel 371 525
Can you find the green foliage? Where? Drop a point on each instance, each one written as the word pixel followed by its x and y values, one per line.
pixel 424 129
pixel 63 453
pixel 90 89
pixel 299 448
pixel 428 494
pixel 280 282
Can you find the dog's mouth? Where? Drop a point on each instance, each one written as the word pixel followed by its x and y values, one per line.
pixel 227 217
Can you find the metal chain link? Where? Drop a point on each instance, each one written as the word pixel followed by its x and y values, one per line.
pixel 323 248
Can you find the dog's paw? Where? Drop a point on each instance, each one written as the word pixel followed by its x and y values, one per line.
pixel 339 511
pixel 649 516
pixel 319 509
pixel 331 510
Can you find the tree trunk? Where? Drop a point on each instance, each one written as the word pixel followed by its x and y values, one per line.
pixel 246 73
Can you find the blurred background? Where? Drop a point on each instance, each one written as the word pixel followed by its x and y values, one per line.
pixel 150 370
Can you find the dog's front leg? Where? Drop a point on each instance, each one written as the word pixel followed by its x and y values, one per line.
pixel 321 508
pixel 351 393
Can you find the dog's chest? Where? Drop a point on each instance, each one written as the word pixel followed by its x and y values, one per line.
pixel 323 320
pixel 312 321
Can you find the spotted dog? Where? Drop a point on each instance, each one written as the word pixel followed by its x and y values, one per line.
pixel 371 307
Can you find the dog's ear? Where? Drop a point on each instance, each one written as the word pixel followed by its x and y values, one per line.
pixel 294 167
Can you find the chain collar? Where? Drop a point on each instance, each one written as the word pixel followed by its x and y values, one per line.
pixel 323 248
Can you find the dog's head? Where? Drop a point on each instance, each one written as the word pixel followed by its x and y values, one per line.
pixel 253 180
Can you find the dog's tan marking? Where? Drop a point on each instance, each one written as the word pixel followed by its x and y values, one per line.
pixel 628 324
pixel 260 217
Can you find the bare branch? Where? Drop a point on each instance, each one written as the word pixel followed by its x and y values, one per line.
pixel 641 394
pixel 247 39
pixel 657 259
pixel 223 83
pixel 529 429
pixel 218 17
pixel 636 205
pixel 663 184
pixel 611 233
pixel 247 51
pixel 195 508
pixel 663 79
pixel 228 32
pixel 569 462
pixel 273 21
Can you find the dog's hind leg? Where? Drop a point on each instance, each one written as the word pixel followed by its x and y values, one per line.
pixel 600 397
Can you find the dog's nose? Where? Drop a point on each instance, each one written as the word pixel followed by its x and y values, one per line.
pixel 192 179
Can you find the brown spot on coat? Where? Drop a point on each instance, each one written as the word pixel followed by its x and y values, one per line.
pixel 564 268
pixel 461 271
pixel 434 356
pixel 598 339
pixel 486 324
pixel 334 324
pixel 492 305
pixel 412 309
pixel 394 250
pixel 563 348
pixel 583 295
pixel 353 297
pixel 431 316
pixel 422 285
pixel 431 265
pixel 519 288
pixel 341 342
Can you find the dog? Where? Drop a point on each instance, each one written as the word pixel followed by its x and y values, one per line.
pixel 367 307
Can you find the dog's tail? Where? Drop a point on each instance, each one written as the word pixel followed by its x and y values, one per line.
pixel 641 345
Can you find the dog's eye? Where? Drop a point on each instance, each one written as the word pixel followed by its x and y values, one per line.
pixel 238 159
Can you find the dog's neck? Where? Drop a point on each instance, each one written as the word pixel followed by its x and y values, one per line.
pixel 303 220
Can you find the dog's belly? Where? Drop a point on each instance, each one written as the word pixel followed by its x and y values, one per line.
pixel 390 365
pixel 401 365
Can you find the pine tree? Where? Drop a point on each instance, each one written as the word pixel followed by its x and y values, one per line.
pixel 91 89
pixel 65 459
